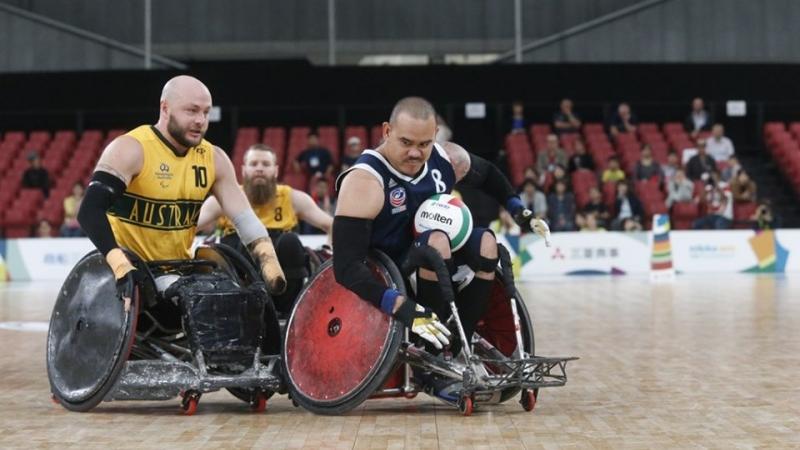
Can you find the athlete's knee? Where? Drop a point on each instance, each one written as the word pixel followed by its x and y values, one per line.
pixel 486 261
pixel 488 245
pixel 439 240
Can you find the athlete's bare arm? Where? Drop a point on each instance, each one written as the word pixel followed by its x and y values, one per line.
pixel 360 196
pixel 459 158
pixel 308 211
pixel 209 213
pixel 123 158
pixel 229 195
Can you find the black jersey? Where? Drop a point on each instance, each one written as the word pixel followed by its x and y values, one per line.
pixel 393 228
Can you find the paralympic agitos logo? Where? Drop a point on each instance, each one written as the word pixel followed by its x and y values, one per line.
pixel 436 217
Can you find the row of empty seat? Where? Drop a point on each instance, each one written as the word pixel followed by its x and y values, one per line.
pixel 783 143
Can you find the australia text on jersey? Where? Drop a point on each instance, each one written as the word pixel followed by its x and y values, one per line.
pixel 158 214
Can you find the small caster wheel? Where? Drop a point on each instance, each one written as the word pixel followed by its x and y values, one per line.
pixel 259 402
pixel 411 394
pixel 465 406
pixel 54 399
pixel 189 402
pixel 528 400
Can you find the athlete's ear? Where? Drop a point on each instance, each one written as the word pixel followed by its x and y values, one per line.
pixel 164 107
pixel 386 129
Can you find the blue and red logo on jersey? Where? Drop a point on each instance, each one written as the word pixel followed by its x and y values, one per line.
pixel 397 197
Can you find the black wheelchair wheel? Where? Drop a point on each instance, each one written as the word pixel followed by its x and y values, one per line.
pixel 90 335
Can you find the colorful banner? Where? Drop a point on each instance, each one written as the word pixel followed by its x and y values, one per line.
pixel 579 253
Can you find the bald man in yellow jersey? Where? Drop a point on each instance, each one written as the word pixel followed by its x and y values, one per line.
pixel 280 208
pixel 149 184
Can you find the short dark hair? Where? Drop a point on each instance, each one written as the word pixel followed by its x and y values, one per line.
pixel 416 107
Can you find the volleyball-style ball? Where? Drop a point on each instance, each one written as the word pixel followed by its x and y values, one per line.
pixel 446 213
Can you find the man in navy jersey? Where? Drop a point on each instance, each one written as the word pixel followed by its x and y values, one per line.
pixel 378 197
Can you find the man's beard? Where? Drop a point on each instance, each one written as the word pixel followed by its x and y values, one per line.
pixel 262 192
pixel 179 134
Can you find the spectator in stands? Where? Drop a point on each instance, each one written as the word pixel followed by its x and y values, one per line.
pixel 717 145
pixel 551 156
pixel 351 152
pixel 561 208
pixel 596 207
pixel 743 189
pixel 718 204
pixel 647 168
pixel 559 173
pixel 580 159
pixel 565 120
pixel 679 189
pixel 700 165
pixel 72 203
pixel 613 172
pixel 315 158
pixel 43 229
pixel 730 169
pixel 629 209
pixel 764 218
pixel 321 195
pixel 623 121
pixel 531 173
pixel 671 167
pixel 36 176
pixel 533 199
pixel 590 223
pixel 517 117
pixel 698 119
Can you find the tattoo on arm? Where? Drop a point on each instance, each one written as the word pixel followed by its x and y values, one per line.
pixel 113 171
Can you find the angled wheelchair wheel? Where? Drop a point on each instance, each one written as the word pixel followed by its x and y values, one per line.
pixel 90 335
pixel 497 327
pixel 339 349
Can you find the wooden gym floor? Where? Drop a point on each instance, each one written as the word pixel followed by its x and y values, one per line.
pixel 704 362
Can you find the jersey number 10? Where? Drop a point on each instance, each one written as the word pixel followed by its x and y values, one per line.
pixel 200 176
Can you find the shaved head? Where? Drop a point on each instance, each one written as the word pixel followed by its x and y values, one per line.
pixel 416 107
pixel 184 86
pixel 185 104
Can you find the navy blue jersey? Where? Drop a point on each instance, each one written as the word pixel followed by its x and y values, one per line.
pixel 393 228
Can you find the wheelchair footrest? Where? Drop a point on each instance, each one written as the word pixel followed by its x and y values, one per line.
pixel 529 373
pixel 163 380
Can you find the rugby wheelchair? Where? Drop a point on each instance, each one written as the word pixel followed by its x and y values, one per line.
pixel 194 326
pixel 340 351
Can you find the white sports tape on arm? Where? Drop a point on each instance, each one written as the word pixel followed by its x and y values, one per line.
pixel 249 227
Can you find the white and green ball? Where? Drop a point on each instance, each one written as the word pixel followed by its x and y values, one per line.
pixel 446 213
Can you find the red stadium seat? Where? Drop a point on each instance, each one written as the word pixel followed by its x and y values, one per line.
pixel 376 136
pixel 742 212
pixel 275 137
pixel 329 138
pixel 540 129
pixel 683 214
